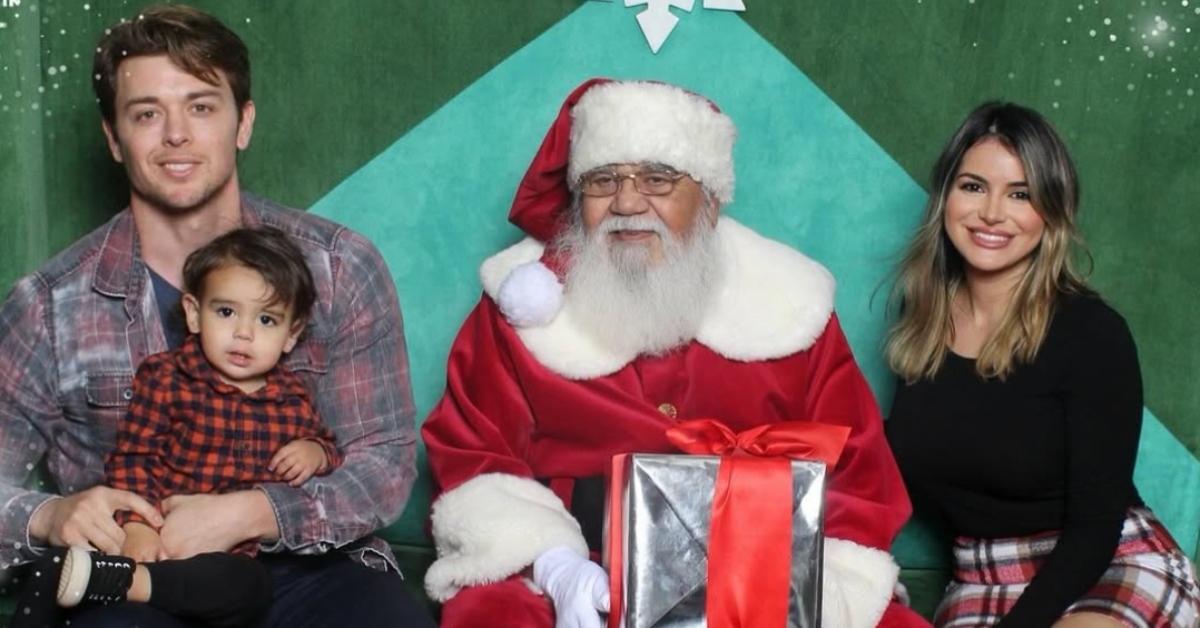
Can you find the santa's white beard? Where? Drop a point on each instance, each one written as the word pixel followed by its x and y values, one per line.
pixel 627 300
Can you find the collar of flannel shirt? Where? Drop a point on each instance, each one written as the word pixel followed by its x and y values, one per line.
pixel 191 361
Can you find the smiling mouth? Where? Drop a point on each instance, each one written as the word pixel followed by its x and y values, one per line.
pixel 990 240
pixel 179 168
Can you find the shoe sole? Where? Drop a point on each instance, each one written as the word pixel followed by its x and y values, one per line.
pixel 76 571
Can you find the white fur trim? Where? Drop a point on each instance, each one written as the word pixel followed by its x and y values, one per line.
pixel 530 296
pixel 857 584
pixel 492 526
pixel 772 302
pixel 496 268
pixel 634 121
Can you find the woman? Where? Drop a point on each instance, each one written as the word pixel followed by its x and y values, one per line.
pixel 1018 414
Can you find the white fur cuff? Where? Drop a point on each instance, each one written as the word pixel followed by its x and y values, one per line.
pixel 857 584
pixel 493 526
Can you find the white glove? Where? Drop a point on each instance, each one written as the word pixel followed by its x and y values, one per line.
pixel 578 587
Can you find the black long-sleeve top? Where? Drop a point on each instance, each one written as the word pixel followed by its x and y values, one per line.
pixel 1051 447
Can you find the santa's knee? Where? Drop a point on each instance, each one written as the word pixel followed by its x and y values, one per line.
pixel 507 604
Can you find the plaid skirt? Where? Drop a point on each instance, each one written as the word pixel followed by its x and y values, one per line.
pixel 1150 582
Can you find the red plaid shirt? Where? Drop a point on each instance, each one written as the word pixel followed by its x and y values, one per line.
pixel 187 431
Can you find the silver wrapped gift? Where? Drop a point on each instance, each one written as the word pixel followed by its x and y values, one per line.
pixel 665 510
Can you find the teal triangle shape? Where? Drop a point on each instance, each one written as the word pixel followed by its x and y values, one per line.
pixel 436 201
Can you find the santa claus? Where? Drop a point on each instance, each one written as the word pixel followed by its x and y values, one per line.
pixel 633 305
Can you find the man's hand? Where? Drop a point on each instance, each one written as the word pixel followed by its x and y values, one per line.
pixel 196 524
pixel 86 519
pixel 298 460
pixel 578 587
pixel 142 543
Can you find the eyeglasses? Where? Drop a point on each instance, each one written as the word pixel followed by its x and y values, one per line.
pixel 648 182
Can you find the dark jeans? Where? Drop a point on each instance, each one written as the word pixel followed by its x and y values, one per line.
pixel 309 591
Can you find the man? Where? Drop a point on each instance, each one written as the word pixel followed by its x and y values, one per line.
pixel 633 305
pixel 174 93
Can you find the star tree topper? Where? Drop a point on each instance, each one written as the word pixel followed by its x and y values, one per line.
pixel 657 21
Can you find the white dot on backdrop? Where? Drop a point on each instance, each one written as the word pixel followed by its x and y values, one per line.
pixel 1129 86
pixel 1112 38
pixel 52 70
pixel 1101 57
pixel 1057 82
pixel 1108 21
pixel 1092 33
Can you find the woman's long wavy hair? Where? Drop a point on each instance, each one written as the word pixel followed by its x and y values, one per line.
pixel 932 270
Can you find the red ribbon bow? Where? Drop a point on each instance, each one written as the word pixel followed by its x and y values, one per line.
pixel 798 440
pixel 750 538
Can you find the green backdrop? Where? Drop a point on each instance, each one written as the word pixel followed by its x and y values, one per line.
pixel 412 122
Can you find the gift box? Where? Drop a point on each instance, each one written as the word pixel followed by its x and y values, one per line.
pixel 668 513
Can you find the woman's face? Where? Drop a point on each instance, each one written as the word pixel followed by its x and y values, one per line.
pixel 989 217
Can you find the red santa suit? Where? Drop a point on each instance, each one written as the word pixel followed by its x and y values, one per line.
pixel 527 407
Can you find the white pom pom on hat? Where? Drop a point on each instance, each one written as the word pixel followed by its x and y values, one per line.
pixel 530 296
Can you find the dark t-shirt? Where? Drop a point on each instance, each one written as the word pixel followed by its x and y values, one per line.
pixel 1050 448
pixel 170 310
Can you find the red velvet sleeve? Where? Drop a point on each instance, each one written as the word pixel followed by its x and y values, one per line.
pixel 865 501
pixel 482 423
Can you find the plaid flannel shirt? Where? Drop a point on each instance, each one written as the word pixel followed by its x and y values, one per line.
pixel 188 432
pixel 73 333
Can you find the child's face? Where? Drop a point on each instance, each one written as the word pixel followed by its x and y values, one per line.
pixel 242 333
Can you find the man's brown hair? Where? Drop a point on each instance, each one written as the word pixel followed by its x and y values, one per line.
pixel 196 42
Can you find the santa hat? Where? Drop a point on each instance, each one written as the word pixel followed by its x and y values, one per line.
pixel 606 122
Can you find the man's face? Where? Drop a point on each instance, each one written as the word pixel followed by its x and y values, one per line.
pixel 678 211
pixel 176 135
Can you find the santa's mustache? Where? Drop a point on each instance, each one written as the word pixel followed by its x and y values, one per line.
pixel 633 223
